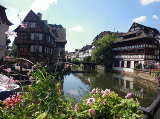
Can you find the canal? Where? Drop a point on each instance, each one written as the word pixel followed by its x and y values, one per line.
pixel 78 85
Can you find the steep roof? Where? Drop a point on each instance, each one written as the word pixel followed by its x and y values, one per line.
pixel 3 16
pixel 142 27
pixel 87 47
pixel 33 17
pixel 55 29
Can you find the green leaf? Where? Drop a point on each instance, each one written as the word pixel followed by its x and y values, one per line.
pixel 42 116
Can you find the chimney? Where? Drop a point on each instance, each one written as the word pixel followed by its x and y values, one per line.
pixel 39 15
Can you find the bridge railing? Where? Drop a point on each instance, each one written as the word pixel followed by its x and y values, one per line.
pixel 153 111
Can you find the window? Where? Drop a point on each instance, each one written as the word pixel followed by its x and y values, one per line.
pixel 36 36
pixel 32 25
pixel 36 48
pixel 128 64
pixel 116 63
pixel 32 36
pixel 122 63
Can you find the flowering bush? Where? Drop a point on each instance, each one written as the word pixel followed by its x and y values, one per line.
pixel 42 101
pixel 106 105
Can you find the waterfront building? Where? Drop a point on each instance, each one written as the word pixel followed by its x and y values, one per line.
pixel 39 41
pixel 138 47
pixel 4 26
pixel 60 40
pixel 85 52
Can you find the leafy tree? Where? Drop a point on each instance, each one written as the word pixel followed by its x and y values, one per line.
pixel 13 50
pixel 103 51
pixel 87 59
pixel 75 60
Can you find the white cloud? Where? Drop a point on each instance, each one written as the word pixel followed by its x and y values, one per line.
pixel 76 28
pixel 155 17
pixel 146 2
pixel 41 5
pixel 140 19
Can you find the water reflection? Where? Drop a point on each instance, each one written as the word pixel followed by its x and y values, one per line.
pixel 78 85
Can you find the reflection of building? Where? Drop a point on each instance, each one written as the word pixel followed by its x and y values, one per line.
pixel 39 41
pixel 138 46
pixel 4 25
pixel 126 85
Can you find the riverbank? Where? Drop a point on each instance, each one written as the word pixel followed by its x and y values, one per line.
pixel 143 75
pixel 136 74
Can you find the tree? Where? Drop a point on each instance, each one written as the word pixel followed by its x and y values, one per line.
pixel 87 59
pixel 13 50
pixel 103 50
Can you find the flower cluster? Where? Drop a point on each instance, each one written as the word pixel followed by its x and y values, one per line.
pixel 8 70
pixel 13 100
pixel 106 92
pixel 129 95
pixel 11 33
pixel 90 101
pixel 92 112
pixel 23 25
pixel 95 91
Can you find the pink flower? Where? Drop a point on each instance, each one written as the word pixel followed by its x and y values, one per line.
pixel 23 26
pixel 106 92
pixel 90 101
pixel 92 112
pixel 11 33
pixel 77 107
pixel 8 70
pixel 95 91
pixel 129 95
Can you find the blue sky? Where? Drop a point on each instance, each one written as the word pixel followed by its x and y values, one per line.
pixel 84 19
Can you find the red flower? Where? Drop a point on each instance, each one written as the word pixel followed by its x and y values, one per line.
pixel 13 100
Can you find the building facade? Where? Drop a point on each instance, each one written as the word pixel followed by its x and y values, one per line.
pixel 36 40
pixel 60 39
pixel 86 51
pixel 4 26
pixel 139 46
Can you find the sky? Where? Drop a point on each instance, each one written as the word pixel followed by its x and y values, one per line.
pixel 85 19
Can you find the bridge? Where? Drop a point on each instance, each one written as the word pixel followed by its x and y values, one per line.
pixel 86 66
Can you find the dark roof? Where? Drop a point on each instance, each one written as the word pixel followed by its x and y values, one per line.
pixel 133 38
pixel 56 26
pixel 33 17
pixel 87 47
pixel 55 32
pixel 3 16
pixel 143 27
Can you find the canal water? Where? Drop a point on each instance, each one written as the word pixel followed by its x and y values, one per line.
pixel 78 85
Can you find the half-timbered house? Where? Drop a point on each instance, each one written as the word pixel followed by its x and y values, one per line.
pixel 139 46
pixel 36 40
